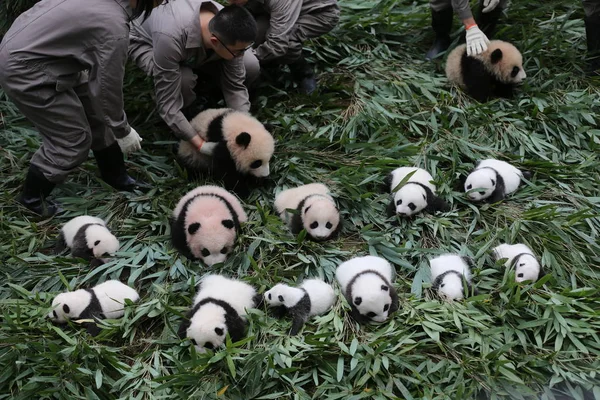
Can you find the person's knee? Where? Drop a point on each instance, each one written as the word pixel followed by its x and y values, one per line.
pixel 188 83
pixel 58 158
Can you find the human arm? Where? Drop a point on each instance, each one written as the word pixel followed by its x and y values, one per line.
pixel 283 17
pixel 233 75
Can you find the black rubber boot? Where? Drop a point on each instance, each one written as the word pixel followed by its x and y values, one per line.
pixel 112 169
pixel 35 192
pixel 304 75
pixel 487 22
pixel 592 32
pixel 441 22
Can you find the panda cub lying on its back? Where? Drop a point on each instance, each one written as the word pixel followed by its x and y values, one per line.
pixel 415 195
pixel 316 211
pixel 447 274
pixel 367 285
pixel 495 72
pixel 312 297
pixel 105 300
pixel 493 180
pixel 87 237
pixel 527 267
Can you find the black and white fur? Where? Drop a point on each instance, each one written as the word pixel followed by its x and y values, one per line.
pixel 87 237
pixel 493 180
pixel 493 73
pixel 527 267
pixel 205 224
pixel 448 272
pixel 367 285
pixel 104 301
pixel 416 194
pixel 312 297
pixel 219 309
pixel 242 152
pixel 315 211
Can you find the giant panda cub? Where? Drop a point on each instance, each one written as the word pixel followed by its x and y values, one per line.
pixel 493 180
pixel 415 195
pixel 495 72
pixel 104 301
pixel 219 309
pixel 448 272
pixel 312 297
pixel 527 267
pixel 243 148
pixel 87 237
pixel 316 211
pixel 367 285
pixel 205 224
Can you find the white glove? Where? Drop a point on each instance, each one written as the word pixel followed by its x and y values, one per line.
pixel 130 143
pixel 208 148
pixel 489 5
pixel 476 41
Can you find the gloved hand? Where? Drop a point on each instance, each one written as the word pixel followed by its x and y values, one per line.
pixel 203 146
pixel 130 143
pixel 476 41
pixel 489 5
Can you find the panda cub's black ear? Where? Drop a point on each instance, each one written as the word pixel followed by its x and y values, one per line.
pixel 496 56
pixel 243 139
pixel 193 228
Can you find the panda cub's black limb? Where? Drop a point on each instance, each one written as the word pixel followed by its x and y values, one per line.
pixel 312 297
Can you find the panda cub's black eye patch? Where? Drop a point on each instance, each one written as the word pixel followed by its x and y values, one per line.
pixel 469 187
pixel 328 225
pixel 219 331
pixel 442 285
pixel 209 345
pixel 314 225
pixel 412 206
pixel 515 71
pixel 520 275
pixel 371 314
pixel 269 296
pixel 386 307
pixel 224 250
pixel 399 202
pixel 280 297
pixel 357 301
pixel 194 342
pixel 96 243
pixel 256 164
pixel 55 314
pixel 522 265
pixel 66 308
pixel 205 252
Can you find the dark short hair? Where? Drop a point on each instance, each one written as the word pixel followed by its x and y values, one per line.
pixel 144 7
pixel 233 24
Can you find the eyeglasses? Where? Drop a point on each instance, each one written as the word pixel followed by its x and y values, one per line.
pixel 236 53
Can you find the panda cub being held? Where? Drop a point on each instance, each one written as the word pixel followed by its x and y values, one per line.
pixel 219 309
pixel 493 73
pixel 527 267
pixel 87 237
pixel 205 224
pixel 367 285
pixel 416 194
pixel 315 211
pixel 104 301
pixel 448 272
pixel 312 297
pixel 493 180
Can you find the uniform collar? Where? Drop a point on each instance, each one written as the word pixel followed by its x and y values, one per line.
pixel 193 30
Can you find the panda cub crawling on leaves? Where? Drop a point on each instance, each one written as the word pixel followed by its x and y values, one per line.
pixel 87 237
pixel 104 301
pixel 493 73
pixel 316 211
pixel 367 285
pixel 238 148
pixel 527 267
pixel 312 297
pixel 447 274
pixel 493 180
pixel 415 195
pixel 219 309
pixel 205 224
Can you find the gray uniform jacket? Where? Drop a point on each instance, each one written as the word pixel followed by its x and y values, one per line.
pixel 72 38
pixel 171 38
pixel 283 17
pixel 460 7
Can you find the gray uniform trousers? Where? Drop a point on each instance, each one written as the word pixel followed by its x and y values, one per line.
pixel 62 113
pixel 460 7
pixel 591 8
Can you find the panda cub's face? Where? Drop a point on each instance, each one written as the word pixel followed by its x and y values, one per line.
pixel 63 306
pixel 207 330
pixel 480 184
pixel 276 295
pixel 409 200
pixel 371 296
pixel 320 219
pixel 101 241
pixel 451 287
pixel 527 268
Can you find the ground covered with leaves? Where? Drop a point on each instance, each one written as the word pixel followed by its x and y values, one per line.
pixel 381 106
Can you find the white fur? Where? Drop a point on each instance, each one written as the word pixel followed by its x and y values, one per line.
pixel 111 295
pixel 322 211
pixel 411 194
pixel 452 288
pixel 101 240
pixel 368 286
pixel 527 269
pixel 70 229
pixel 237 294
pixel 210 212
pixel 482 177
pixel 321 294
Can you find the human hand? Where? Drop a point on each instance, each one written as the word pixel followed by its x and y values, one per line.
pixel 131 142
pixel 203 146
pixel 476 41
pixel 489 5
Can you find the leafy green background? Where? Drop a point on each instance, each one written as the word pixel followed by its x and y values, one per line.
pixel 381 106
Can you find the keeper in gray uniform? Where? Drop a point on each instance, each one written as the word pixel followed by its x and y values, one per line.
pixel 477 34
pixel 283 26
pixel 63 66
pixel 592 30
pixel 188 37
